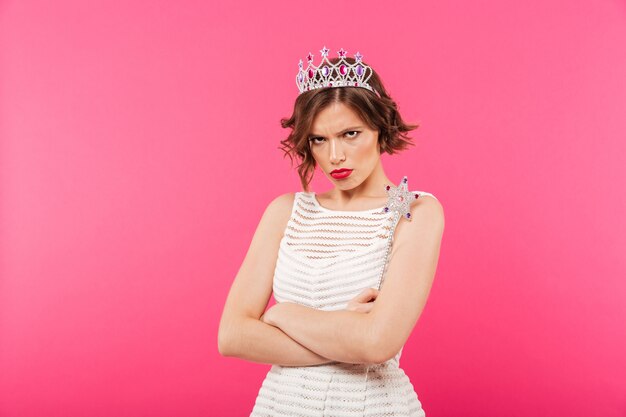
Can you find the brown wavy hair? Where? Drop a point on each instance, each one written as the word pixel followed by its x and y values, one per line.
pixel 379 113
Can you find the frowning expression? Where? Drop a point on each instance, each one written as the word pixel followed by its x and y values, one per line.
pixel 340 139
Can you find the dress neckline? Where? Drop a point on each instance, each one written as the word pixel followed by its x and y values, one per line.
pixel 319 206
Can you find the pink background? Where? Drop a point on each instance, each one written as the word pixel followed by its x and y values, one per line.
pixel 139 150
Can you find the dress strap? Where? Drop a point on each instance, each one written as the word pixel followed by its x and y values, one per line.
pixel 296 199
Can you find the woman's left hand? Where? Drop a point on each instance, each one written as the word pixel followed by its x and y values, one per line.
pixel 364 301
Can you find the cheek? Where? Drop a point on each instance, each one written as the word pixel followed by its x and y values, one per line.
pixel 314 153
pixel 367 150
pixel 317 156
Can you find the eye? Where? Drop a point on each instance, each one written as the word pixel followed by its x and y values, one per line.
pixel 350 135
pixel 313 140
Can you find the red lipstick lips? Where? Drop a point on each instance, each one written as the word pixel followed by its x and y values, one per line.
pixel 340 173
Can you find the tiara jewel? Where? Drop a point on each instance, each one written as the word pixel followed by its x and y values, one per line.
pixel 326 74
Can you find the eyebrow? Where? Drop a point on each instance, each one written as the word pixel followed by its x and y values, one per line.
pixel 343 131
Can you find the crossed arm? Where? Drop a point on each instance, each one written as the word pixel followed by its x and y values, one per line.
pixel 377 336
pixel 342 336
pixel 290 334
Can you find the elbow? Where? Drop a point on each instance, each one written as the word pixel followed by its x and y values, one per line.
pixel 231 340
pixel 379 350
pixel 225 341
pixel 377 355
pixel 222 345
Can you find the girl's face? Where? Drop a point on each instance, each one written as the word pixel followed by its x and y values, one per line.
pixel 339 138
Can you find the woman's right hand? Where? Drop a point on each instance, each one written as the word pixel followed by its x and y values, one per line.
pixel 364 301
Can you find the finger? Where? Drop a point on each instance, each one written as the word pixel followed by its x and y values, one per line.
pixel 364 308
pixel 366 295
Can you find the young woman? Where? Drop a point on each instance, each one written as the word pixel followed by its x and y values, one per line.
pixel 334 341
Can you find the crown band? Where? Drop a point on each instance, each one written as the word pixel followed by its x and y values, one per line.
pixel 341 74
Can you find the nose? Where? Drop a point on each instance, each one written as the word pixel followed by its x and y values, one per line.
pixel 336 152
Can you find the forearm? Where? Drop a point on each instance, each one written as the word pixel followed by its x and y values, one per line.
pixel 342 335
pixel 260 342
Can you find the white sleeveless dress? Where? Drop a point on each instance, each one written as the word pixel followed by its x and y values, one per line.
pixel 326 257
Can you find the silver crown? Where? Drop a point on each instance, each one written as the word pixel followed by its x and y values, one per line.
pixel 341 74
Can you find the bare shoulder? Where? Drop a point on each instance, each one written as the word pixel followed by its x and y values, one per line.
pixel 279 210
pixel 428 207
pixel 427 218
pixel 283 202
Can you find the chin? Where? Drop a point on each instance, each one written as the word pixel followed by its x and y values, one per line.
pixel 347 184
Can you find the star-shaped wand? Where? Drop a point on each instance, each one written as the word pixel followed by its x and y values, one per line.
pixel 400 199
pixel 399 202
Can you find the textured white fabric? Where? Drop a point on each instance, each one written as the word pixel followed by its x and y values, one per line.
pixel 326 257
